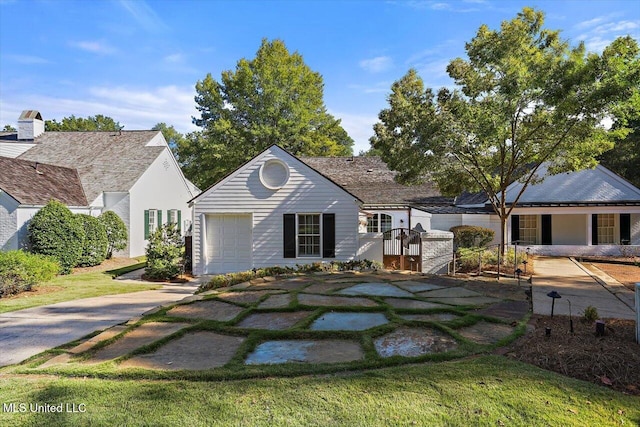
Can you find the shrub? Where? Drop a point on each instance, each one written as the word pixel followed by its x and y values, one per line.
pixel 55 231
pixel 468 258
pixel 590 314
pixel 20 271
pixel 165 253
pixel 116 232
pixel 471 236
pixel 94 247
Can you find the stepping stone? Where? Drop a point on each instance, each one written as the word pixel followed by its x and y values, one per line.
pixel 327 301
pixel 285 285
pixel 92 342
pixel 194 351
pixel 377 289
pixel 414 286
pixel 413 342
pixel 456 292
pixel 411 303
pixel 508 310
pixel 276 301
pixel 141 336
pixel 245 297
pixel 273 321
pixel 210 310
pixel 431 317
pixel 485 332
pixel 325 288
pixel 466 301
pixel 305 351
pixel 348 321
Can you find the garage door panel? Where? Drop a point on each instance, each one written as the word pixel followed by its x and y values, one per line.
pixel 229 243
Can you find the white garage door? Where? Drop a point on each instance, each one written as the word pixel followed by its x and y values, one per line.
pixel 229 243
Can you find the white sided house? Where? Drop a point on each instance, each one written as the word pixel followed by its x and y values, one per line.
pixel 132 173
pixel 273 210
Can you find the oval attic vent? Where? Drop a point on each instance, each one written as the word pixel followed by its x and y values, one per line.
pixel 274 174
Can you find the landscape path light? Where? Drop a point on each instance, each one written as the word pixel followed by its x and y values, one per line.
pixel 555 295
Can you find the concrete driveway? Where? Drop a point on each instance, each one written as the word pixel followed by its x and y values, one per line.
pixel 574 283
pixel 25 333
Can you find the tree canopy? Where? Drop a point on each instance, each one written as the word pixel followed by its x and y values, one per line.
pixel 274 98
pixel 523 97
pixel 91 123
pixel 624 159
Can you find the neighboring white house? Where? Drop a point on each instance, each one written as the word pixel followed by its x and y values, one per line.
pixel 132 173
pixel 273 210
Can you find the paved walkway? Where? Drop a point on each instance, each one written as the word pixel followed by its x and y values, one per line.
pixel 25 333
pixel 575 284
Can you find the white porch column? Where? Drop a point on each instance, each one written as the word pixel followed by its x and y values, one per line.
pixel 589 228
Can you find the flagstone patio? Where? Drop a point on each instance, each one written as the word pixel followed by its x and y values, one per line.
pixel 379 308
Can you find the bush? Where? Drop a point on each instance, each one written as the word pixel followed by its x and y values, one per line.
pixel 94 247
pixel 165 253
pixel 20 271
pixel 590 314
pixel 56 232
pixel 471 236
pixel 116 232
pixel 468 258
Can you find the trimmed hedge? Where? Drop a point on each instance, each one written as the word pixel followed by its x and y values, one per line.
pixel 94 247
pixel 165 253
pixel 20 271
pixel 468 258
pixel 116 232
pixel 471 236
pixel 56 232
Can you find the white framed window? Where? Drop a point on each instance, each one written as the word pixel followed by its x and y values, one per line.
pixel 379 222
pixel 529 229
pixel 309 235
pixel 606 229
pixel 172 216
pixel 153 224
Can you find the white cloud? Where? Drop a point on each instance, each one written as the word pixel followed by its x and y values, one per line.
pixel 377 64
pixel 359 127
pixel 26 59
pixel 175 58
pixel 441 6
pixel 616 27
pixel 590 23
pixel 133 107
pixel 144 15
pixel 379 87
pixel 98 47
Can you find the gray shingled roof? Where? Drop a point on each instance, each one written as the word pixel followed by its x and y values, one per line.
pixel 37 186
pixel 106 161
pixel 373 182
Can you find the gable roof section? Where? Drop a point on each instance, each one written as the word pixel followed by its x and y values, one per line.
pixel 106 161
pixel 258 158
pixel 373 182
pixel 588 186
pixel 31 186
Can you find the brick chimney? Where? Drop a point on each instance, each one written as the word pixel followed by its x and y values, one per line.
pixel 30 125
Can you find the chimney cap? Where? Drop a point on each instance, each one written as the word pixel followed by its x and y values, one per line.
pixel 30 115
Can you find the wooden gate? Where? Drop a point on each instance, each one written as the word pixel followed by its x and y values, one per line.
pixel 402 249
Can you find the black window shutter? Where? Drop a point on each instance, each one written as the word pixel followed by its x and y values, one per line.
pixel 594 229
pixel 515 228
pixel 289 235
pixel 329 235
pixel 625 229
pixel 546 229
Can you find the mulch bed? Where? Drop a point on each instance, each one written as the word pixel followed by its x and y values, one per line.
pixel 612 360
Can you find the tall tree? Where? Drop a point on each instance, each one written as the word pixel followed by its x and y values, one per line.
pixel 274 98
pixel 624 158
pixel 524 97
pixel 91 123
pixel 171 135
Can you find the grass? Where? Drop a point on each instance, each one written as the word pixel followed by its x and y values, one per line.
pixel 487 390
pixel 72 287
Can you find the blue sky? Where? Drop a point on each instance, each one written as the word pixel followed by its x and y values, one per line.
pixel 138 61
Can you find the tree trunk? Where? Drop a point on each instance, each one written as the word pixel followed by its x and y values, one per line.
pixel 503 235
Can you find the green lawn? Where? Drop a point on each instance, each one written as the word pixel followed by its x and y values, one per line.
pixel 487 390
pixel 72 287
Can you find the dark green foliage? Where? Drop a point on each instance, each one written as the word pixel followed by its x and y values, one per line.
pixel 56 232
pixel 20 271
pixel 624 158
pixel 75 124
pixel 274 98
pixel 469 236
pixel 165 253
pixel 94 249
pixel 116 232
